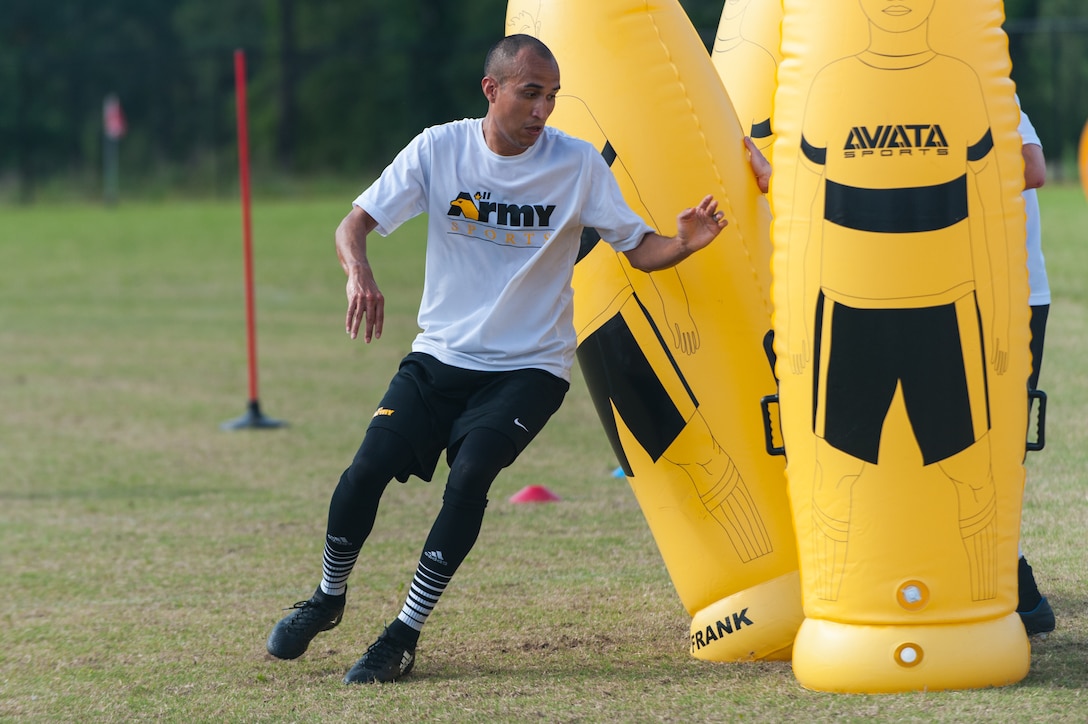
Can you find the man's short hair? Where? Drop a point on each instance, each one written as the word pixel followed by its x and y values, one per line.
pixel 499 63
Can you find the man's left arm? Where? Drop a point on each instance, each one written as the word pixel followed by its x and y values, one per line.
pixel 695 229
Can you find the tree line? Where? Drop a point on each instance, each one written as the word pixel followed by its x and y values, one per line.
pixel 335 87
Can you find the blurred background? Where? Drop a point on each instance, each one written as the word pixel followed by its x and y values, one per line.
pixel 335 88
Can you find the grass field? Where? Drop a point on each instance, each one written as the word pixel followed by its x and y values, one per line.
pixel 145 553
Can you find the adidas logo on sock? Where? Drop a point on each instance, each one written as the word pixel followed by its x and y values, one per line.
pixel 435 556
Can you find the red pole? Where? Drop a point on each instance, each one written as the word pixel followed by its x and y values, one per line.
pixel 253 416
pixel 247 224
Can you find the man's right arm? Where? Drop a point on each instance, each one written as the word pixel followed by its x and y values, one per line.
pixel 1034 166
pixel 365 300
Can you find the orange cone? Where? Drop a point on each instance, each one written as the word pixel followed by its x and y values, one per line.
pixel 534 494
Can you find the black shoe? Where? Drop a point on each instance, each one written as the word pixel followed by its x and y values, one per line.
pixel 1034 609
pixel 295 631
pixel 1039 620
pixel 386 660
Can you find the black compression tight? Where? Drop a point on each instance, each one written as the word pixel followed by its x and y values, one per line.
pixel 1039 314
pixel 354 505
pixel 483 453
pixel 480 458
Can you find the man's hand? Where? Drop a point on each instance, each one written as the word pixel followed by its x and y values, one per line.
pixel 761 167
pixel 697 227
pixel 365 301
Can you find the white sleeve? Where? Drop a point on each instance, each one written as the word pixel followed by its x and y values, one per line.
pixel 1026 130
pixel 400 193
pixel 608 212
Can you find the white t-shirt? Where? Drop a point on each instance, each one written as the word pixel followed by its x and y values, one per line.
pixel 502 237
pixel 1037 279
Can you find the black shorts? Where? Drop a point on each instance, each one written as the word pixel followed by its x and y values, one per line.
pixel 643 384
pixel 434 405
pixel 934 353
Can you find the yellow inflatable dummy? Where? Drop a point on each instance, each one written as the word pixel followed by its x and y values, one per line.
pixel 746 55
pixel 1082 156
pixel 901 333
pixel 674 360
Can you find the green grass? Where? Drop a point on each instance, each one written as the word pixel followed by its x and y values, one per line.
pixel 145 553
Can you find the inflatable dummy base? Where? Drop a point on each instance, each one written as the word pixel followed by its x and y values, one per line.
pixel 776 600
pixel 845 658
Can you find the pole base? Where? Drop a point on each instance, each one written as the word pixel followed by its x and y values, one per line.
pixel 253 418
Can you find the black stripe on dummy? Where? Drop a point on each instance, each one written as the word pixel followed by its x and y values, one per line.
pixel 761 129
pixel 590 237
pixel 897 211
pixel 817 155
pixel 617 373
pixel 980 149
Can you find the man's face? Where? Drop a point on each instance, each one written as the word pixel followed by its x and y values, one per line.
pixel 520 106
pixel 897 16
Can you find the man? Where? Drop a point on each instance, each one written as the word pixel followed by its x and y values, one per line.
pixel 1034 609
pixel 507 198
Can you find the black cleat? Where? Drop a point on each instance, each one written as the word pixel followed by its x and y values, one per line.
pixel 1039 620
pixel 385 661
pixel 294 632
pixel 1034 609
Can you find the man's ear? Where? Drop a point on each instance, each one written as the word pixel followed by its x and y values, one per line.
pixel 490 88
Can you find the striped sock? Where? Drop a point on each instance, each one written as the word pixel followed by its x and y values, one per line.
pixel 336 564
pixel 427 587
